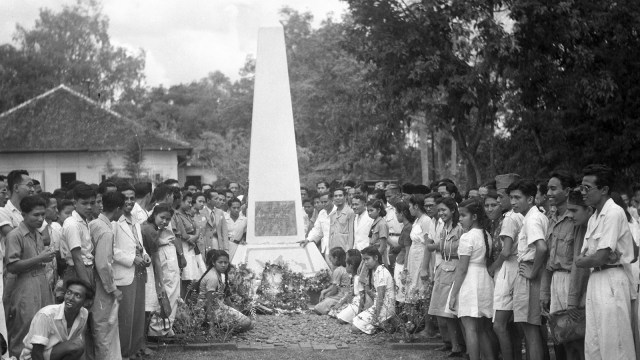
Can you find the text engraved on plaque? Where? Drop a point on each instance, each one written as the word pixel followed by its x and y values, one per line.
pixel 275 218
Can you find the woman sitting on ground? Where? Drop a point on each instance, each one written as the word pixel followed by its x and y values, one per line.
pixel 214 289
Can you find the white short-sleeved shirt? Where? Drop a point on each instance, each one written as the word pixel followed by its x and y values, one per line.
pixel 361 227
pixel 49 328
pixel 382 277
pixel 609 229
pixel 9 215
pixel 472 244
pixel 534 228
pixel 511 226
pixel 75 231
pixel 236 229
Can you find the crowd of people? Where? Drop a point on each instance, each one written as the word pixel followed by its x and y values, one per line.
pixel 487 270
pixel 97 270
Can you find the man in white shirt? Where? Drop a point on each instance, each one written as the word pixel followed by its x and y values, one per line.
pixel 361 222
pixel 236 225
pixel 532 250
pixel 56 330
pixel 319 234
pixel 78 249
pixel 608 251
pixel 140 212
pixel 433 244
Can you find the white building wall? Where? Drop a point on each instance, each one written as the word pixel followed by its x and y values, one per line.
pixel 88 166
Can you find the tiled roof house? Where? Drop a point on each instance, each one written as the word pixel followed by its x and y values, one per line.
pixel 62 135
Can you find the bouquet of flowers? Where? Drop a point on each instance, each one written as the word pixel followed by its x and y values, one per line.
pixel 241 288
pixel 318 282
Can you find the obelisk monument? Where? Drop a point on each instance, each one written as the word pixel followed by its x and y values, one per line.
pixel 274 212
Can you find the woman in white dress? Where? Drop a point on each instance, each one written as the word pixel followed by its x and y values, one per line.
pixel 472 292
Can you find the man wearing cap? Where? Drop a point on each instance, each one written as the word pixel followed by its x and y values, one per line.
pixel 506 269
pixel 608 251
pixel 408 189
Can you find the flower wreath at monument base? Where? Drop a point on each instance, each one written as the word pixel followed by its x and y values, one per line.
pixel 281 291
pixel 285 291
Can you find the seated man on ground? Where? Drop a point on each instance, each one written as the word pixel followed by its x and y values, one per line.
pixel 56 330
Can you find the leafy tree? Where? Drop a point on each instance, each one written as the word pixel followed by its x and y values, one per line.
pixel 442 59
pixel 72 47
pixel 227 155
pixel 134 159
pixel 337 120
pixel 576 74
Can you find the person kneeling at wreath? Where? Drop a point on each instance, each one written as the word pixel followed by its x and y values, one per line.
pixel 214 290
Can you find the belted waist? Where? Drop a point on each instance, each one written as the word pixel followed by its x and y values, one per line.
pixel 605 267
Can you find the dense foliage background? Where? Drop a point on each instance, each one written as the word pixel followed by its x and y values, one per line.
pixel 393 90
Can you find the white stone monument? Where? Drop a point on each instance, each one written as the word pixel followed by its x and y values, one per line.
pixel 274 212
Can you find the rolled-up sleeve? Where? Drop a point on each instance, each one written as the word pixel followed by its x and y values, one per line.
pixel 39 331
pixel 13 247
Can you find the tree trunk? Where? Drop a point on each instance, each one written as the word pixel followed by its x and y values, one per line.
pixel 423 135
pixel 454 157
pixel 474 178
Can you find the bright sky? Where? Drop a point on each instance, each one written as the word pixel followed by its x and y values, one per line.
pixel 184 40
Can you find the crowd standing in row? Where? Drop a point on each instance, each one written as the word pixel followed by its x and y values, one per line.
pixel 91 270
pixel 492 267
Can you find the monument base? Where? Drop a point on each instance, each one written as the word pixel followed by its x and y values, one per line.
pixel 306 260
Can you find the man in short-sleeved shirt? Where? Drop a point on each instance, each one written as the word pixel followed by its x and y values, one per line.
pixel 77 235
pixel 50 331
pixel 78 248
pixel 532 250
pixel 607 250
pixel 534 228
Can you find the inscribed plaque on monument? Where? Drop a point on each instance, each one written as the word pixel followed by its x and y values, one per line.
pixel 275 218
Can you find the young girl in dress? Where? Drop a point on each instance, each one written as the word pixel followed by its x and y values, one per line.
pixel 472 293
pixel 445 274
pixel 379 233
pixel 339 282
pixel 185 229
pixel 381 288
pixel 351 299
pixel 214 289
